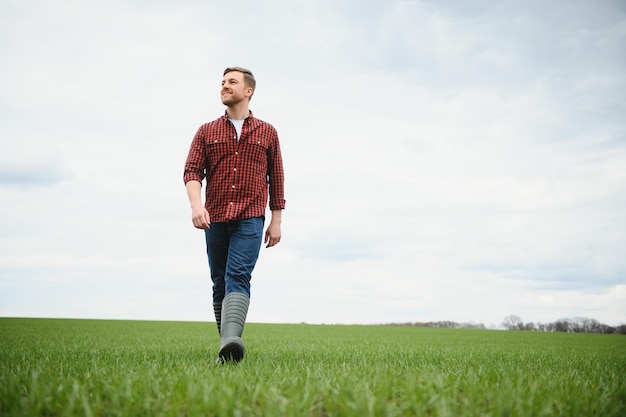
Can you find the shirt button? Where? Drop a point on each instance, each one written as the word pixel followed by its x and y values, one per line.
pixel 235 169
pixel 231 203
pixel 234 137
pixel 233 187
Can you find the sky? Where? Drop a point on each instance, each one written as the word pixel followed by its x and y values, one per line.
pixel 459 161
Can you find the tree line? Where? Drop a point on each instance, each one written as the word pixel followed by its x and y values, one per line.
pixel 513 322
pixel 574 325
pixel 446 324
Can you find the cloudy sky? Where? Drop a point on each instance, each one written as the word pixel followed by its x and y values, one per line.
pixel 459 162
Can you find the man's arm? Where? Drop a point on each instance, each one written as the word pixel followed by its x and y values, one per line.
pixel 273 234
pixel 276 191
pixel 199 214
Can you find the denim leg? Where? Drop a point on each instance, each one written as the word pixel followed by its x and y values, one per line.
pixel 217 242
pixel 245 244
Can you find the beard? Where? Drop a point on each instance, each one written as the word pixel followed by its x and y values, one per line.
pixel 231 99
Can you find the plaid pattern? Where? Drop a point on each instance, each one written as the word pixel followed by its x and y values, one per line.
pixel 240 174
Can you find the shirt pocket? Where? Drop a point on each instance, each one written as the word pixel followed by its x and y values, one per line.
pixel 258 140
pixel 256 153
pixel 218 148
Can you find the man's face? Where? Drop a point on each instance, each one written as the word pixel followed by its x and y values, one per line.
pixel 233 89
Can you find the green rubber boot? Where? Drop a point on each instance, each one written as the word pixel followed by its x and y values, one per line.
pixel 234 312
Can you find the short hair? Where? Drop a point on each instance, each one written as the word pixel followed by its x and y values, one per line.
pixel 248 77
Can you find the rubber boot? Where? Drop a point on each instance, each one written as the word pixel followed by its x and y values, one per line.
pixel 234 312
pixel 217 309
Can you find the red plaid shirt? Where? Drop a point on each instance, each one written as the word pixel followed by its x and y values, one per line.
pixel 240 173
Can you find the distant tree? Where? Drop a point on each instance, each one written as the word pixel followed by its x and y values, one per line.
pixel 513 322
pixel 584 325
pixel 577 325
pixel 562 325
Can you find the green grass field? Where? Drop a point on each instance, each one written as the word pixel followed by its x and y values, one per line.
pixel 54 367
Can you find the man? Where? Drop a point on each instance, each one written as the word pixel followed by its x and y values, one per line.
pixel 239 155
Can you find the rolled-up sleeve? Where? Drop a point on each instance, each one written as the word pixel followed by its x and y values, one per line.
pixel 276 176
pixel 196 159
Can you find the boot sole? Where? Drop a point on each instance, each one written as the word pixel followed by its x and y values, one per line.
pixel 232 350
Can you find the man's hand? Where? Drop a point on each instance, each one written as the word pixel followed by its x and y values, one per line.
pixel 200 217
pixel 272 234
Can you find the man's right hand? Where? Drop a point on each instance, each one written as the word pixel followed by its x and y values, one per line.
pixel 200 217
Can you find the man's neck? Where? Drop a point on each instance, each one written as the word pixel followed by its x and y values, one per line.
pixel 238 112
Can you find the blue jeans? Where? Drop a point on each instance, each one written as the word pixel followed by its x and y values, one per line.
pixel 233 249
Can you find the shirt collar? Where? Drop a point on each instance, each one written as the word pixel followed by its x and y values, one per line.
pixel 250 115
